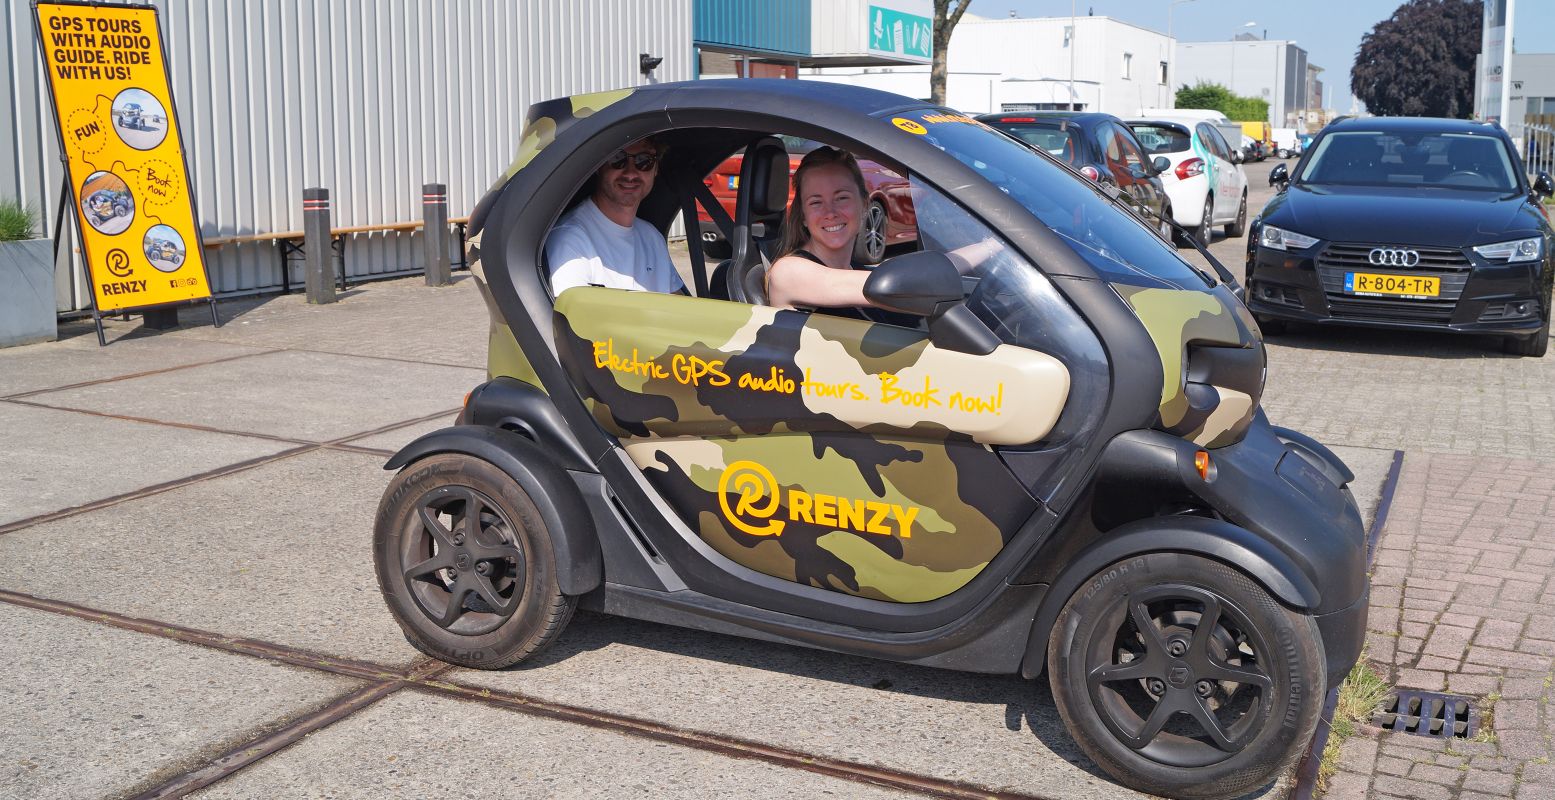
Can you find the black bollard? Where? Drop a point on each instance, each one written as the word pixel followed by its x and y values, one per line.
pixel 434 217
pixel 318 250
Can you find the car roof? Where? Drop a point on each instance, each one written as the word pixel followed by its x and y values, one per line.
pixel 1082 118
pixel 1181 125
pixel 1414 125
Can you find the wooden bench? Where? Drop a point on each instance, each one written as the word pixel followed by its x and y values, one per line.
pixel 290 243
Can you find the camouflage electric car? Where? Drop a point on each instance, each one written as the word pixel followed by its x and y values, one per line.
pixel 1056 462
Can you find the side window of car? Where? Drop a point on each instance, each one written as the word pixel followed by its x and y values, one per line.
pixel 1217 143
pixel 1130 148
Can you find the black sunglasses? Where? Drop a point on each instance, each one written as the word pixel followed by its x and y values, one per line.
pixel 644 162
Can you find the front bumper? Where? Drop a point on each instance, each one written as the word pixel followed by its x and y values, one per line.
pixel 1308 286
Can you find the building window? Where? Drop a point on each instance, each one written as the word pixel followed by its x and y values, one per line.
pixel 1164 81
pixel 1128 66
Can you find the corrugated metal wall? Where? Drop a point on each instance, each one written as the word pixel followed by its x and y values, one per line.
pixel 368 98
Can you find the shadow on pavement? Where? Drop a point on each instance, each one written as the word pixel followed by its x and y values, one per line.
pixel 1380 342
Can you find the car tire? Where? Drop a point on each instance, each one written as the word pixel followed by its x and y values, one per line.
pixel 869 246
pixel 1164 226
pixel 1205 233
pixel 1269 325
pixel 499 565
pixel 1535 346
pixel 1255 676
pixel 1238 229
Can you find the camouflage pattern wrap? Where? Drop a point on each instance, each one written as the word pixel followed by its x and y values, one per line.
pixel 831 452
pixel 504 358
pixel 1205 414
pixel 550 118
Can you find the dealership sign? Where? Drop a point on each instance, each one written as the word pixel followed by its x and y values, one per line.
pixel 126 171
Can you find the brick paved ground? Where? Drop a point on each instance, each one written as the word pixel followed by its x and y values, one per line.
pixel 1460 597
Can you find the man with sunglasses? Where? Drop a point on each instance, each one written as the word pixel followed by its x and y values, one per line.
pixel 601 242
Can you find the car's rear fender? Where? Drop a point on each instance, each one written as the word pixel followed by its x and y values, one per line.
pixel 579 564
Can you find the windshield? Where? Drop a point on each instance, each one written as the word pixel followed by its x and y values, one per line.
pixel 1411 160
pixel 1116 244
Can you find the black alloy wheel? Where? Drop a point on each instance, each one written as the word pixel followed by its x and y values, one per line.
pixel 1180 676
pixel 869 247
pixel 465 563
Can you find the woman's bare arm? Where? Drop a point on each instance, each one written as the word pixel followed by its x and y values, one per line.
pixel 794 281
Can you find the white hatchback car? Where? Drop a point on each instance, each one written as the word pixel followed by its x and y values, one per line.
pixel 1206 188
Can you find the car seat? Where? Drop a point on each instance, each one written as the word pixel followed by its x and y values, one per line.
pixel 758 217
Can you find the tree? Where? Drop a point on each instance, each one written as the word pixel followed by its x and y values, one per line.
pixel 946 14
pixel 1420 61
pixel 1219 98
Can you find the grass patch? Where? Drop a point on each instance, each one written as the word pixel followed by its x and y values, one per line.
pixel 15 221
pixel 1362 692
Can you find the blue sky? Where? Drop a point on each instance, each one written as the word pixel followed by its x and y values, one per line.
pixel 1329 31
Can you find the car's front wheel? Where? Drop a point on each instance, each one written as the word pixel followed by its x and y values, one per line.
pixel 1180 676
pixel 1536 345
pixel 465 563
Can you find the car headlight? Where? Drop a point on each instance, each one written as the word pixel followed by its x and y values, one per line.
pixel 1513 251
pixel 1281 239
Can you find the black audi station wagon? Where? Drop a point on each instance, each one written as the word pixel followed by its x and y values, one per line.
pixel 1407 223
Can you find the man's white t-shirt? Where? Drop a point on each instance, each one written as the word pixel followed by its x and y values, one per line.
pixel 587 248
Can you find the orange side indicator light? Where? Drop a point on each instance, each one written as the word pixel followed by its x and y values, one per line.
pixel 1201 463
pixel 467 399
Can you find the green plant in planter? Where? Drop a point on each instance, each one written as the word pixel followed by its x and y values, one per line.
pixel 15 222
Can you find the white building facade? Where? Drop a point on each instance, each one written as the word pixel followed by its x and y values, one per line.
pixel 1051 63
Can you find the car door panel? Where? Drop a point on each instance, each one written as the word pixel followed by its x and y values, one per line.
pixel 832 452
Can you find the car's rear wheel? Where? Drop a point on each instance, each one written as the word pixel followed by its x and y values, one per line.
pixel 1205 233
pixel 1238 228
pixel 1536 345
pixel 1180 676
pixel 1164 224
pixel 465 563
pixel 869 247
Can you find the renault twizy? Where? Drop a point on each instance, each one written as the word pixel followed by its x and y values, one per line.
pixel 1057 461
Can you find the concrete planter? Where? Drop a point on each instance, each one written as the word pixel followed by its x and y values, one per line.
pixel 27 292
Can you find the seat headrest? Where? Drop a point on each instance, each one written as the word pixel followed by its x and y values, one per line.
pixel 766 169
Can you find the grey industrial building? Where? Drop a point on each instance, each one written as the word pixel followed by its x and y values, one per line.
pixel 1275 70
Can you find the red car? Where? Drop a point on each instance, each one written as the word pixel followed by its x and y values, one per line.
pixel 888 219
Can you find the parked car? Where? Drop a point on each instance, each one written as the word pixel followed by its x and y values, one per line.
pixel 164 250
pixel 888 218
pixel 1056 463
pixel 1422 224
pixel 1286 143
pixel 1205 185
pixel 1103 149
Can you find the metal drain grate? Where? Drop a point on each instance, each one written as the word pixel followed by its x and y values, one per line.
pixel 1443 716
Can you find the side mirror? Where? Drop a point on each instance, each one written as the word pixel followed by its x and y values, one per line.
pixel 1543 186
pixel 1279 176
pixel 927 284
pixel 1236 156
pixel 1161 163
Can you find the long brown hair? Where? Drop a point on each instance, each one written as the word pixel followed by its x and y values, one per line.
pixel 795 234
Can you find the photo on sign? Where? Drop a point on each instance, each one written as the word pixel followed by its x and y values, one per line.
pixel 139 119
pixel 164 248
pixel 106 203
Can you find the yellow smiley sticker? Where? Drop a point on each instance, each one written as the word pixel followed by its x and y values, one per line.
pixel 909 126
